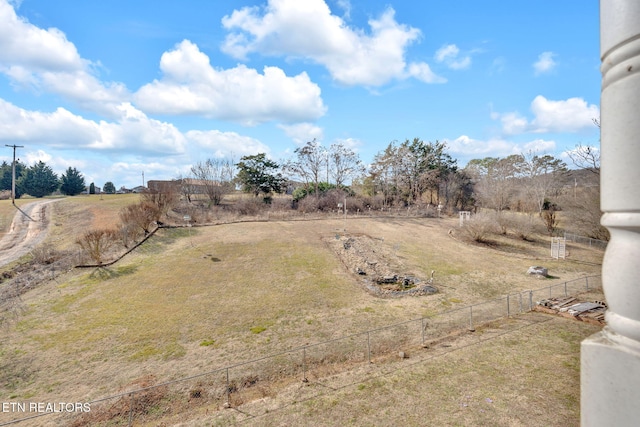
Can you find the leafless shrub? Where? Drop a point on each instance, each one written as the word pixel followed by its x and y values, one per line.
pixel 281 204
pixel 45 254
pixel 478 227
pixel 522 225
pixel 308 204
pixel 355 204
pixel 129 234
pixel 162 200
pixel 329 200
pixel 96 243
pixel 503 221
pixel 249 206
pixel 141 215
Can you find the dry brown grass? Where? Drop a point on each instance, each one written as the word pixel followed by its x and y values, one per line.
pixel 250 290
pixel 7 212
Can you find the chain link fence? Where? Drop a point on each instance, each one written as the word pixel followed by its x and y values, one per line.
pixel 594 243
pixel 253 380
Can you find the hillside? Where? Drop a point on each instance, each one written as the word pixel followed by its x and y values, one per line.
pixel 193 299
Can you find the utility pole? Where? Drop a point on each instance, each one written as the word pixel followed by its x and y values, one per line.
pixel 13 172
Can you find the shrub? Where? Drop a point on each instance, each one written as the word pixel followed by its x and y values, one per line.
pixel 308 204
pixel 249 206
pixel 522 226
pixel 503 221
pixel 281 204
pixel 478 227
pixel 96 243
pixel 129 234
pixel 45 254
pixel 162 200
pixel 141 215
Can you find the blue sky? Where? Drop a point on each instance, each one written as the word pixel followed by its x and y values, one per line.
pixel 117 88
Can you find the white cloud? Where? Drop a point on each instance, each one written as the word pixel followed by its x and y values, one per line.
pixel 351 143
pixel 225 144
pixel 46 60
pixel 512 123
pixel 134 132
pixel 345 5
pixel 474 148
pixel 190 85
pixel 302 133
pixel 422 72
pixel 449 55
pixel 498 66
pixel 25 45
pixel 545 63
pixel 539 146
pixel 308 29
pixel 570 115
pixel 466 148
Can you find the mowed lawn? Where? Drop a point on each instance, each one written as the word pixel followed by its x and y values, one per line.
pixel 195 299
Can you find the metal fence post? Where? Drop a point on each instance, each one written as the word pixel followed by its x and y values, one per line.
pixel 422 327
pixel 520 302
pixel 530 300
pixel 130 409
pixel 228 391
pixel 586 279
pixel 304 365
pixel 369 346
pixel 471 318
pixel 565 289
pixel 508 308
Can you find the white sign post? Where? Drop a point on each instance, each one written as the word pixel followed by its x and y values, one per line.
pixel 464 216
pixel 558 247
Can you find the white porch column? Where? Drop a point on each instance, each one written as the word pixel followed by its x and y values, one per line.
pixel 610 360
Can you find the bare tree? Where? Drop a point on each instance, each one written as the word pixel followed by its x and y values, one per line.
pixel 586 157
pixel 542 177
pixel 495 180
pixel 187 187
pixel 216 176
pixel 309 164
pixel 344 163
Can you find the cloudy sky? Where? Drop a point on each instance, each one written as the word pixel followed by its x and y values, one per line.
pixel 122 88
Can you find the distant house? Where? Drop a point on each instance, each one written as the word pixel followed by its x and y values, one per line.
pixel 139 189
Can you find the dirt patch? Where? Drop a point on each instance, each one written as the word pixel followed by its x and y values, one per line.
pixel 380 269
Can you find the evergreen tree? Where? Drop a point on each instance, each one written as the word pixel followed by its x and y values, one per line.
pixel 6 176
pixel 72 182
pixel 38 180
pixel 257 174
pixel 92 188
pixel 109 187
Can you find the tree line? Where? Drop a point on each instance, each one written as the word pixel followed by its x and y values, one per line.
pixel 417 173
pixel 40 180
pixel 403 174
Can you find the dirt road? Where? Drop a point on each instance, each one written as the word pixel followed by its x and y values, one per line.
pixel 29 227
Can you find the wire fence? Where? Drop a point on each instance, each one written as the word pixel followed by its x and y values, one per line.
pixel 234 385
pixel 594 243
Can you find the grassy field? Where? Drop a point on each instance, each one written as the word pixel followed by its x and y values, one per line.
pixel 251 289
